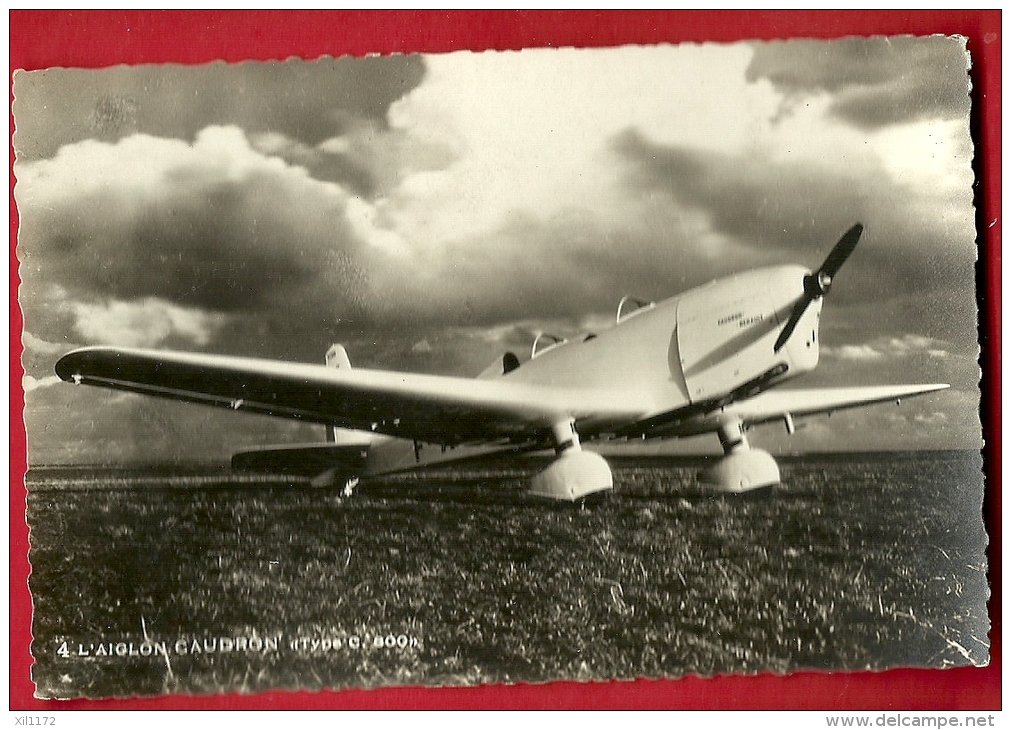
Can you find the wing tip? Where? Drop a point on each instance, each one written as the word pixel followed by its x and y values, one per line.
pixel 67 366
pixel 71 365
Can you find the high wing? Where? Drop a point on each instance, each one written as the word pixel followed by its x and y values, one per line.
pixel 778 405
pixel 429 408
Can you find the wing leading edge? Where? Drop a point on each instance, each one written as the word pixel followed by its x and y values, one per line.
pixel 774 404
pixel 430 408
pixel 768 406
pixel 777 405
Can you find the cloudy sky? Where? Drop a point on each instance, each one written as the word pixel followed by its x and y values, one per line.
pixel 432 211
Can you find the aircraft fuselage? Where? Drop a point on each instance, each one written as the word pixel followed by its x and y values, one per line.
pixel 697 347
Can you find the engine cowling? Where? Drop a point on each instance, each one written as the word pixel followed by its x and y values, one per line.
pixel 726 333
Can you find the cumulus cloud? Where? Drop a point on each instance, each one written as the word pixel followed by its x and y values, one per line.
pixel 853 352
pixel 912 343
pixel 39 345
pixel 889 347
pixel 31 383
pixel 447 210
pixel 796 210
pixel 145 323
pixel 933 418
pixel 306 101
pixel 872 82
pixel 212 225
pixel 219 226
pixel 431 212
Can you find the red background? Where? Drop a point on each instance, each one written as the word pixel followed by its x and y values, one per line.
pixel 39 39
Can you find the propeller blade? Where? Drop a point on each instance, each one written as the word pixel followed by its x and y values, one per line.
pixel 836 258
pixel 817 284
pixel 791 324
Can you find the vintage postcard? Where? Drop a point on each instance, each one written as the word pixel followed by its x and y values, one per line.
pixel 500 367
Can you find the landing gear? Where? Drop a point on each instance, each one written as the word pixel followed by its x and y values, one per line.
pixel 349 487
pixel 742 468
pixel 574 474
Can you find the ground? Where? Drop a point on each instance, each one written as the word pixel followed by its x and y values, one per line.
pixel 154 581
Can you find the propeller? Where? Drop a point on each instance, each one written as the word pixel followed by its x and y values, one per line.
pixel 817 285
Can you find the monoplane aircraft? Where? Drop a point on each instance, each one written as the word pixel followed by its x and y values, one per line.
pixel 708 361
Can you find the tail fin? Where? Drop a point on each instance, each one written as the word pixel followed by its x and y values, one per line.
pixel 336 357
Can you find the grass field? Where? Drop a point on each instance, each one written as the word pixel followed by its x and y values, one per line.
pixel 148 582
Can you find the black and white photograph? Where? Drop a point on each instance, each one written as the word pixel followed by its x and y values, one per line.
pixel 653 361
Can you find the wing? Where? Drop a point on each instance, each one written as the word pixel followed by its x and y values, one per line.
pixel 773 405
pixel 429 408
pixel 770 405
pixel 776 405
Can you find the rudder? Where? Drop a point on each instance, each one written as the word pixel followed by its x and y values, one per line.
pixel 337 357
